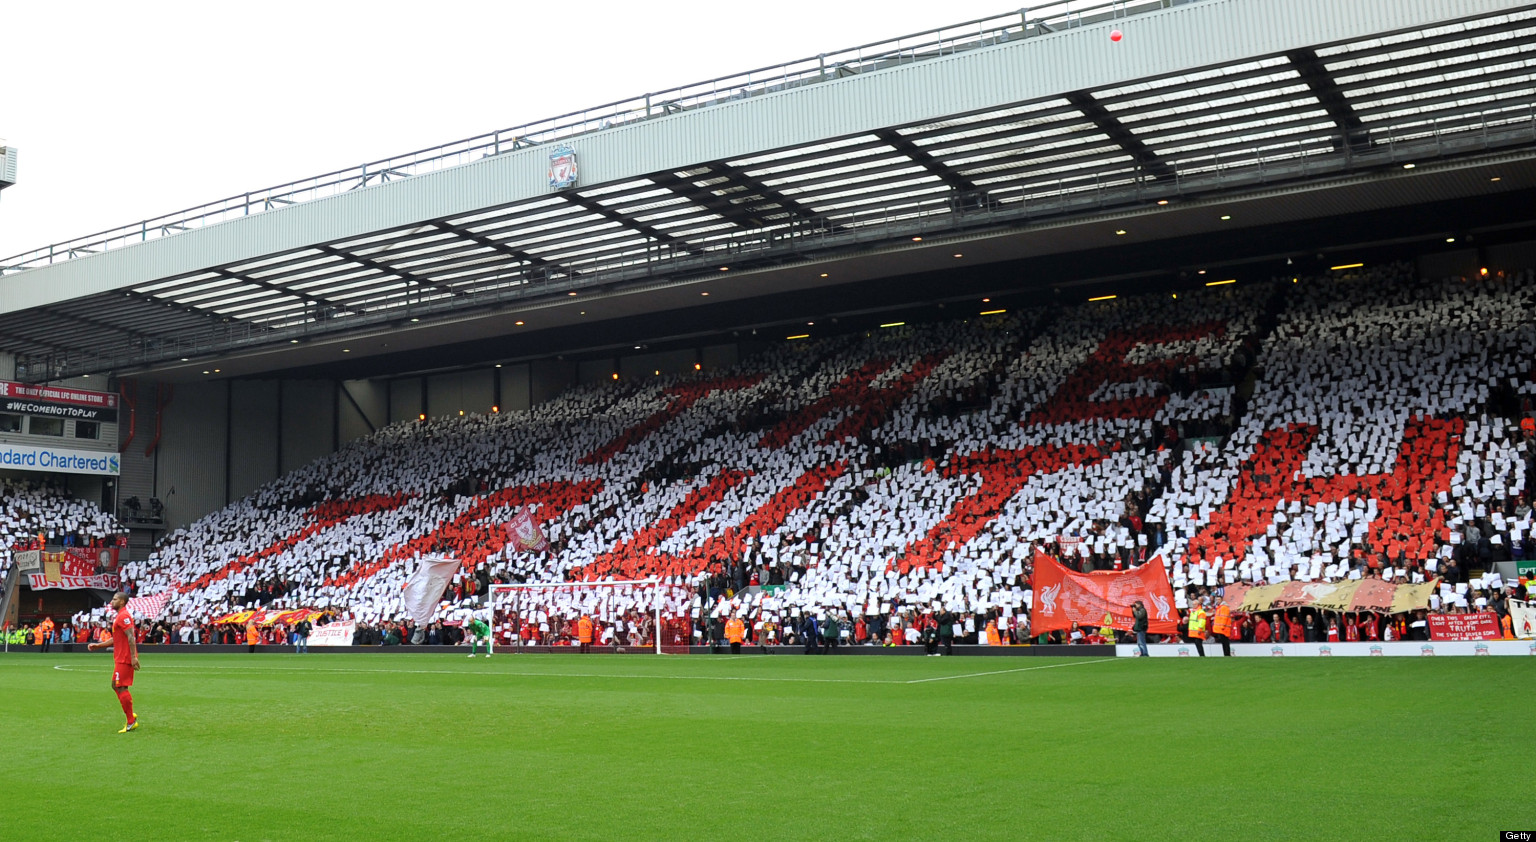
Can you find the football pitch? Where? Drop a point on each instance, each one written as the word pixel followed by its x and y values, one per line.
pixel 438 746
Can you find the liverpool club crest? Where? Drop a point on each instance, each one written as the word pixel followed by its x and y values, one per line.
pixel 562 168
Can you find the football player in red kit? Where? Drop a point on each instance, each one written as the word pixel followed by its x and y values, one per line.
pixel 125 658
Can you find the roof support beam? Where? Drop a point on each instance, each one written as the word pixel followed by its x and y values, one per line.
pixel 278 288
pixel 368 263
pixel 1109 125
pixel 31 340
pixel 638 227
pixel 499 248
pixel 1326 89
pixel 741 178
pixel 919 156
pixel 174 305
pixel 99 325
pixel 709 199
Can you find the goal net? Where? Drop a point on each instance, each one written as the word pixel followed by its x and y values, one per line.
pixel 636 616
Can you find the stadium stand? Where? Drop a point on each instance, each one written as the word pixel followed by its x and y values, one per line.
pixel 29 508
pixel 1363 424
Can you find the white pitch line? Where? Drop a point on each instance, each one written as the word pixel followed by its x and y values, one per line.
pixel 255 669
pixel 1005 672
pixel 63 668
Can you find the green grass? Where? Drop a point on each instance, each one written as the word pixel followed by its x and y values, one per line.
pixel 435 746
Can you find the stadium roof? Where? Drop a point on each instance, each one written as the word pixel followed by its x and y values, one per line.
pixel 1010 131
pixel 7 165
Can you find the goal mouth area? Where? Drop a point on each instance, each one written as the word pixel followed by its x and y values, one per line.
pixel 625 617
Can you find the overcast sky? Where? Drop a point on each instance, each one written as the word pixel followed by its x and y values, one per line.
pixel 125 111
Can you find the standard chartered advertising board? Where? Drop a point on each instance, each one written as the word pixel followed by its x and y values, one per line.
pixel 21 457
pixel 71 406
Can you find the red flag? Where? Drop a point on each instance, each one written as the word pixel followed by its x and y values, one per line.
pixel 1063 597
pixel 526 535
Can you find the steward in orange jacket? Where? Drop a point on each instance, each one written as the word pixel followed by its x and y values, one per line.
pixel 1221 628
pixel 735 632
pixel 584 633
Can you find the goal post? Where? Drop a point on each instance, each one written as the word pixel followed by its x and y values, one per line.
pixel 630 615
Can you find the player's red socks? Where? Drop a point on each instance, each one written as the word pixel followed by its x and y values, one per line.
pixel 126 699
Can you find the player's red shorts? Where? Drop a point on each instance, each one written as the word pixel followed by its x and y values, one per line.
pixel 122 675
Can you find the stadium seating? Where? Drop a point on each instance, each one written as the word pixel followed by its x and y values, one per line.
pixel 29 508
pixel 1246 433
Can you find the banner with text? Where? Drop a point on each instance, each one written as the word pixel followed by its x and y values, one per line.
pixel 104 581
pixel 22 457
pixel 23 406
pixel 58 401
pixel 1483 626
pixel 1345 596
pixel 1063 598
pixel 28 560
pixel 335 634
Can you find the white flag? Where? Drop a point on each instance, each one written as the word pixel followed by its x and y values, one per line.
pixel 1522 615
pixel 426 586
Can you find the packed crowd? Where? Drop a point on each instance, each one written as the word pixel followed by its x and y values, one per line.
pixel 32 509
pixel 1335 428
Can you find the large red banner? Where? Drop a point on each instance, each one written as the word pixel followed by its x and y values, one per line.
pixel 1063 597
pixel 83 561
pixel 1484 626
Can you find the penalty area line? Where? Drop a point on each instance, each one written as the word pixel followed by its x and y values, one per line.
pixel 1005 672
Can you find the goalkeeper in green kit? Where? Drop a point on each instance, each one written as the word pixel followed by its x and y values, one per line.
pixel 479 634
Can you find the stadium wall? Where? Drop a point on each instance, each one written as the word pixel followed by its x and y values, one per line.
pixel 459 392
pixel 405 399
pixel 218 442
pixel 717 357
pixel 253 431
pixel 549 378
pixel 362 407
pixel 307 430
pixel 192 457
pixel 516 389
pixel 593 372
pixel 1510 254
pixel 640 366
pixel 138 467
